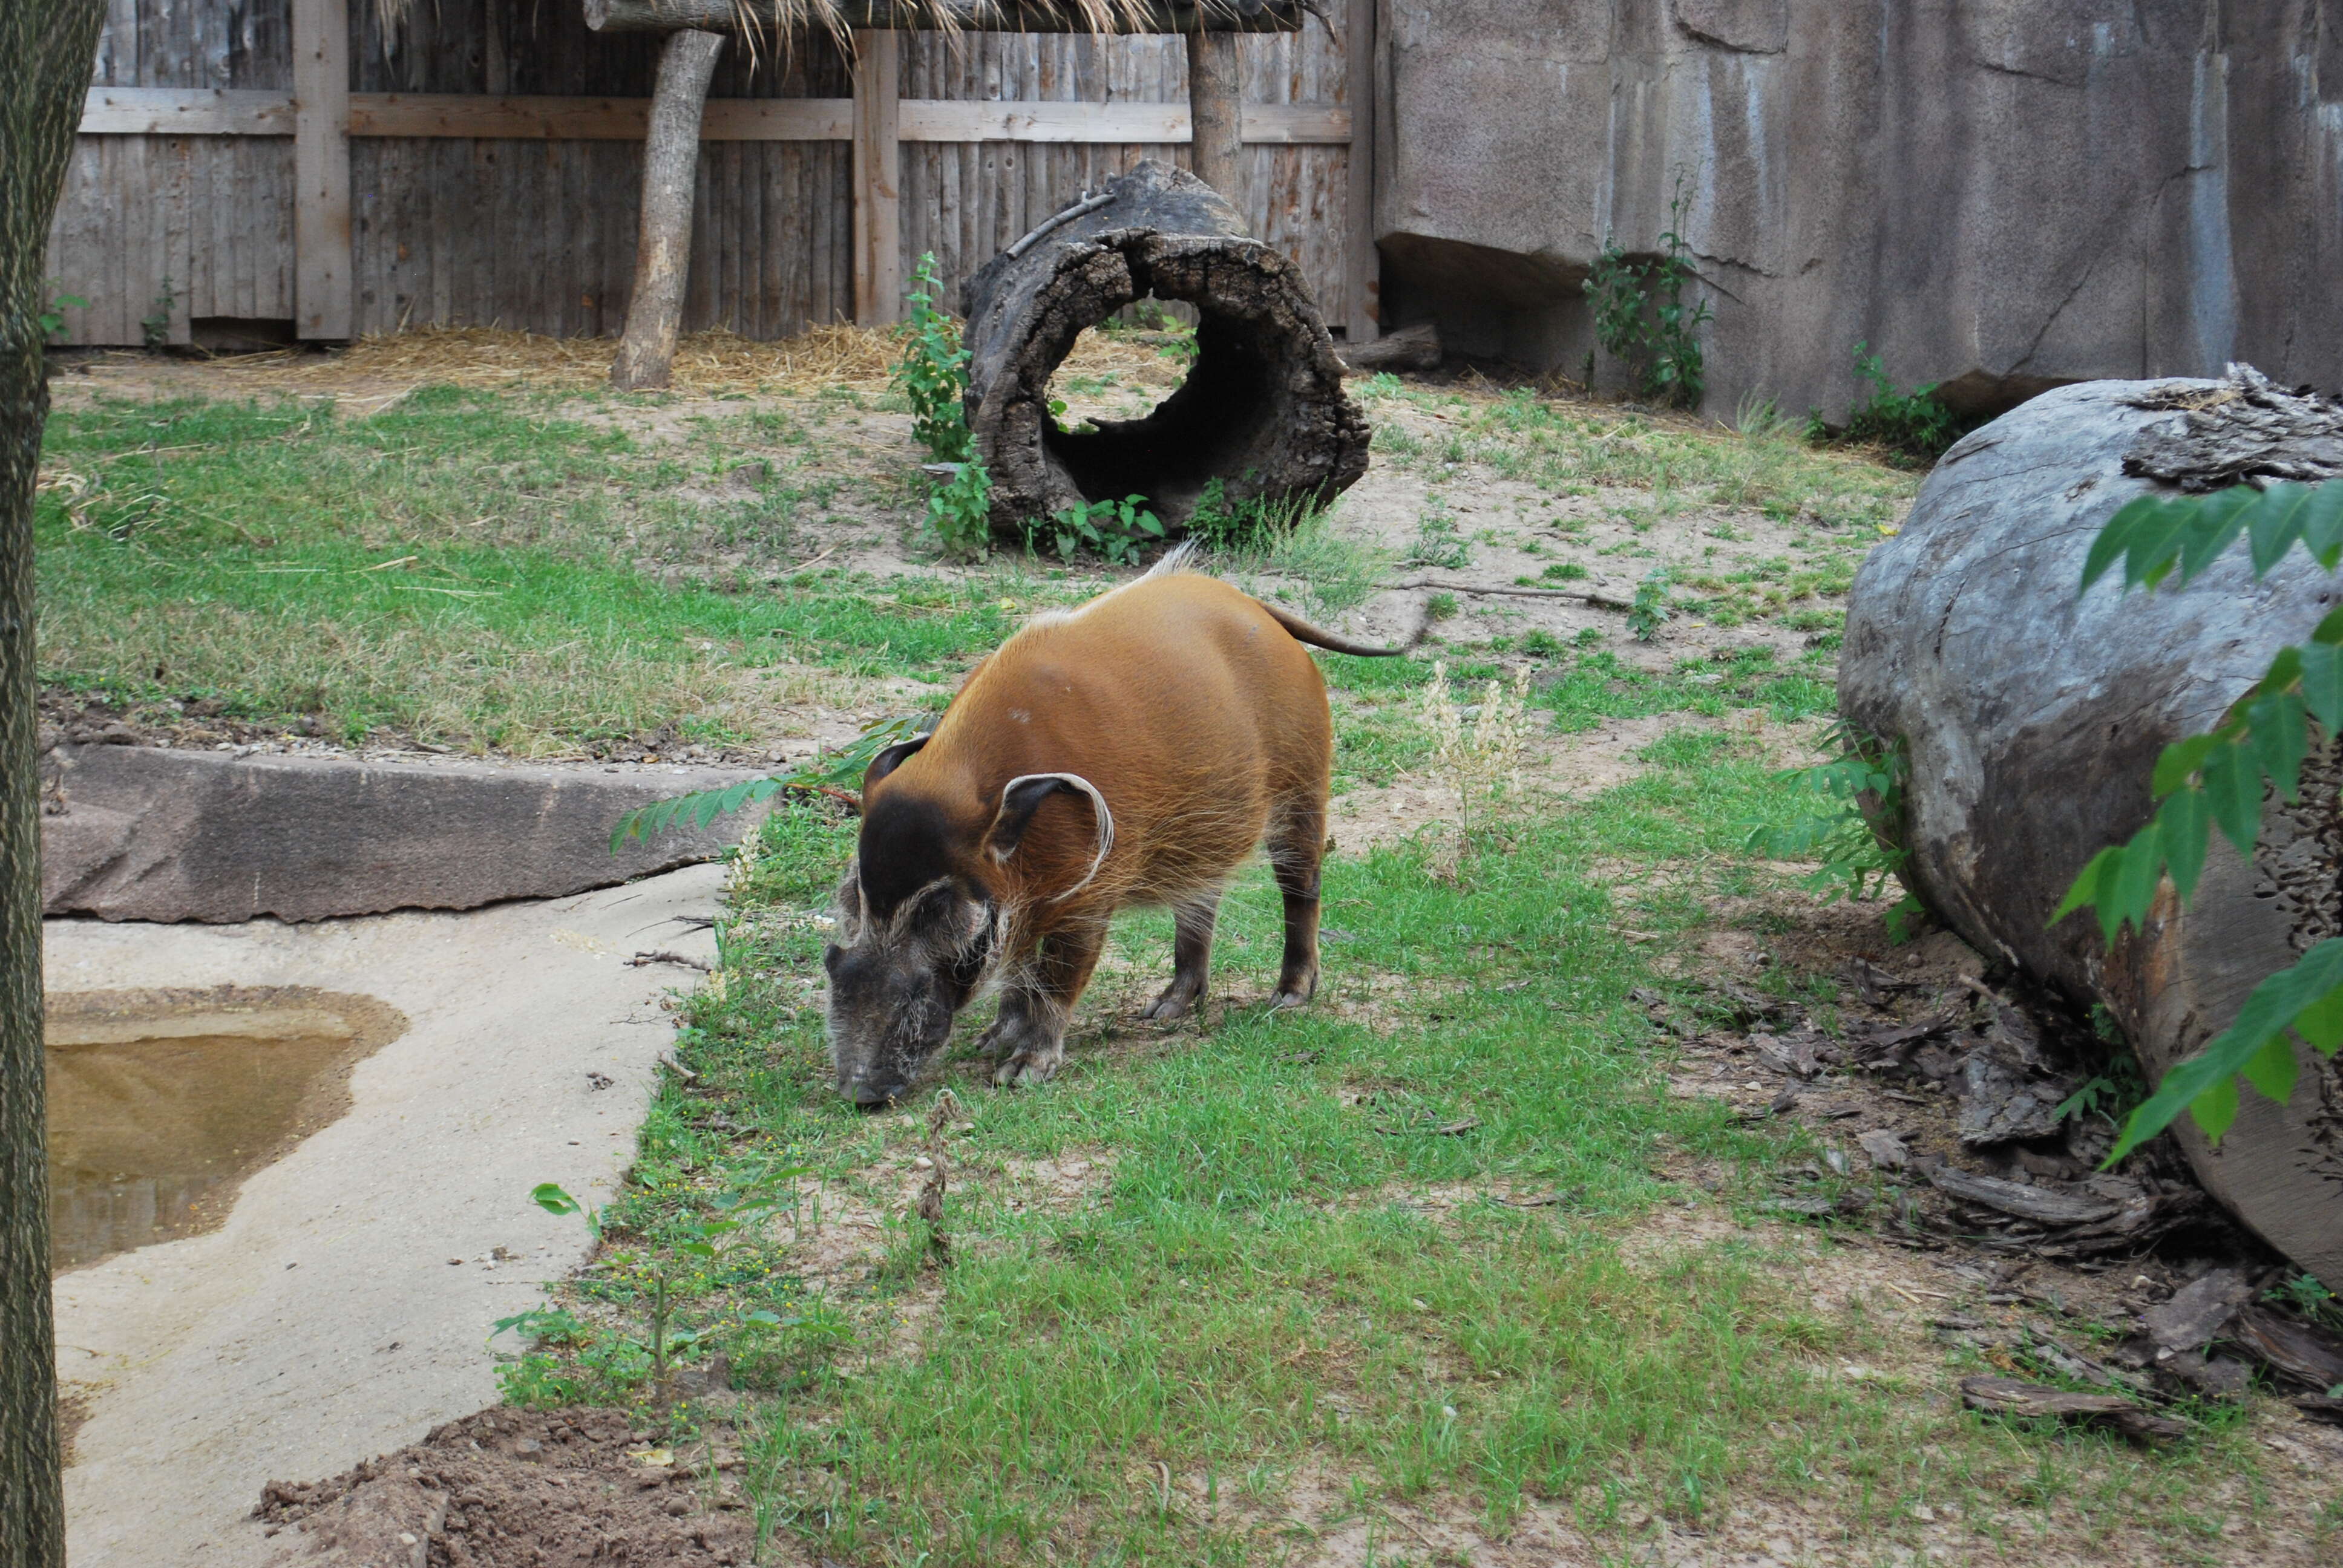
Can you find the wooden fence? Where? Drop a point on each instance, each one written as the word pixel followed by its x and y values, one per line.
pixel 284 161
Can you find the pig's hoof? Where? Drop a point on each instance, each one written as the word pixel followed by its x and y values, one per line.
pixel 1029 1069
pixel 1177 1001
pixel 1286 998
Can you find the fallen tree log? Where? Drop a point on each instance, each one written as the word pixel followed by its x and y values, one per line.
pixel 2030 719
pixel 1263 409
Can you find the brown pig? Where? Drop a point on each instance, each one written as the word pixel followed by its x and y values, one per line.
pixel 1132 751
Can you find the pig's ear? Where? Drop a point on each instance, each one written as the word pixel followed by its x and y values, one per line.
pixel 1022 797
pixel 892 757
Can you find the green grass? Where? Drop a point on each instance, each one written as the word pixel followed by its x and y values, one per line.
pixel 466 569
pixel 1255 1295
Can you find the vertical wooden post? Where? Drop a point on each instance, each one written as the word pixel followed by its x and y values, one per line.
pixel 878 179
pixel 321 167
pixel 1361 264
pixel 1216 113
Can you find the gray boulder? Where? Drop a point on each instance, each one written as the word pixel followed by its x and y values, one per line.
pixel 2003 196
pixel 2033 718
pixel 138 833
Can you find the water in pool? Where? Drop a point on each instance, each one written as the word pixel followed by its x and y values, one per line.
pixel 161 1103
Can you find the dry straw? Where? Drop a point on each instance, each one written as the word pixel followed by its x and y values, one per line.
pixel 715 363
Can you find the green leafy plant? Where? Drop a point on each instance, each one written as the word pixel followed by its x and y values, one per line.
pixel 1117 531
pixel 1851 794
pixel 1649 611
pixel 830 772
pixel 154 327
pixel 1912 425
pixel 2112 1093
pixel 52 315
pixel 689 1262
pixel 2218 780
pixel 960 511
pixel 932 372
pixel 1641 318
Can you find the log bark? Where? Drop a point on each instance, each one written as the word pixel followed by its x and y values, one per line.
pixel 1263 409
pixel 663 251
pixel 48 44
pixel 963 15
pixel 1216 111
pixel 2033 717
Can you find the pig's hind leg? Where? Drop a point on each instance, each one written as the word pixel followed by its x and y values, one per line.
pixel 1297 843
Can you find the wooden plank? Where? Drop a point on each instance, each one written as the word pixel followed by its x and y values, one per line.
pixel 185 111
pixel 878 180
pixel 1361 267
pixel 594 119
pixel 321 162
pixel 176 111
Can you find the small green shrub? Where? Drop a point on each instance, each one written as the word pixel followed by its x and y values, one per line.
pixel 1116 530
pixel 1565 572
pixel 960 511
pixel 1641 318
pixel 1650 611
pixel 1913 425
pixel 52 315
pixel 1857 859
pixel 154 327
pixel 932 373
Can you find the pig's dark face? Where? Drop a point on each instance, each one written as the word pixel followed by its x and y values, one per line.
pixel 897 978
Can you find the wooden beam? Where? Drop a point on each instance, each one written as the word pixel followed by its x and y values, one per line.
pixel 321 167
pixel 594 119
pixel 959 15
pixel 1216 111
pixel 878 179
pixel 189 112
pixel 1361 263
pixel 185 111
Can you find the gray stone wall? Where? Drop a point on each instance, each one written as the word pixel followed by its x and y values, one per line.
pixel 1998 194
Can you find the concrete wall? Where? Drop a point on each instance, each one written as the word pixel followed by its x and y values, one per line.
pixel 1997 194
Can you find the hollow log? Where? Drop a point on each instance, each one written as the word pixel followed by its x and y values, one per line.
pixel 1216 113
pixel 957 15
pixel 2032 719
pixel 646 356
pixel 1263 409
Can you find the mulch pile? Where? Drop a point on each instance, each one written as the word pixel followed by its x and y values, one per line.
pixel 517 1489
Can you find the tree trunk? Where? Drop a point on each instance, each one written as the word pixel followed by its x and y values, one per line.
pixel 1263 409
pixel 968 16
pixel 2033 719
pixel 663 251
pixel 49 44
pixel 1216 109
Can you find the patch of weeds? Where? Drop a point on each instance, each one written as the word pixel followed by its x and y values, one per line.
pixel 1641 318
pixel 1850 806
pixel 1913 426
pixel 1439 542
pixel 1226 527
